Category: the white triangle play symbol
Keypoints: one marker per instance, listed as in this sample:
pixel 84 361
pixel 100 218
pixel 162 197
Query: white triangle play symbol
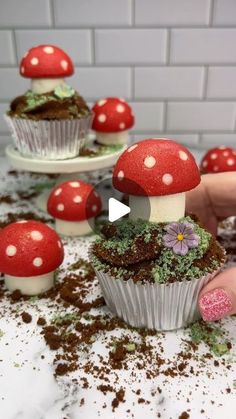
pixel 116 210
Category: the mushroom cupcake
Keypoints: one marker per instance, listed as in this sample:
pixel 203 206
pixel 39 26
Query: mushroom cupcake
pixel 30 252
pixel 152 265
pixel 113 117
pixel 74 205
pixel 51 119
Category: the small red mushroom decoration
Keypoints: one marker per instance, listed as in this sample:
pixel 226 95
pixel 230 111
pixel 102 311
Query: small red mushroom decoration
pixel 30 252
pixel 156 173
pixel 46 66
pixel 74 205
pixel 219 159
pixel 113 118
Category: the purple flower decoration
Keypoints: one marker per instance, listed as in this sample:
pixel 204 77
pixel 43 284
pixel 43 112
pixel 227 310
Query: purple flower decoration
pixel 180 237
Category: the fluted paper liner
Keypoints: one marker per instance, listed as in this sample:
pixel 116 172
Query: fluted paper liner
pixel 153 305
pixel 49 140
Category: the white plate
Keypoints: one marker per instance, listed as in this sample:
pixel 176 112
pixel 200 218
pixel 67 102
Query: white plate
pixel 78 164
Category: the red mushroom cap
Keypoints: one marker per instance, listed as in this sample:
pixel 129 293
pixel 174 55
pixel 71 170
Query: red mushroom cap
pixel 219 159
pixel 74 201
pixel 112 115
pixel 29 248
pixel 156 167
pixel 46 61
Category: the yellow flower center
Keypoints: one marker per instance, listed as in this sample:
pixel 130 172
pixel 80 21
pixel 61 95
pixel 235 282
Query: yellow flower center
pixel 180 237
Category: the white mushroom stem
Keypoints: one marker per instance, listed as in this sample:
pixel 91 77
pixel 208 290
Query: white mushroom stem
pixel 158 209
pixel 74 228
pixel 31 285
pixel 40 86
pixel 112 138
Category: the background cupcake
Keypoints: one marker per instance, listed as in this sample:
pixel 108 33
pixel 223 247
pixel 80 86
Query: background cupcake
pixel 51 119
pixel 152 266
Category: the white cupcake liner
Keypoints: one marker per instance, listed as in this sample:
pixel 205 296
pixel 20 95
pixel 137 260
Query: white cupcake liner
pixel 154 306
pixel 49 140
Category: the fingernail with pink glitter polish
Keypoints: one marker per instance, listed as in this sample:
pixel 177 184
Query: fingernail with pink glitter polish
pixel 215 304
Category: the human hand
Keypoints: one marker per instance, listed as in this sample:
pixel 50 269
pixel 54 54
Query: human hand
pixel 212 201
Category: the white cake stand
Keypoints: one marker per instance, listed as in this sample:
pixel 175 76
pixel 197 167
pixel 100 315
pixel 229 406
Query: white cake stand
pixel 70 169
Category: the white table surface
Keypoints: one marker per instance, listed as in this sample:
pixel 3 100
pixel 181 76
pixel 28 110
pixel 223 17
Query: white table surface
pixel 28 389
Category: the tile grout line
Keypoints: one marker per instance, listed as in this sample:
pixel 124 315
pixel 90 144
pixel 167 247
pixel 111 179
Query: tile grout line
pixel 14 42
pixel 164 116
pixel 211 13
pixel 93 47
pixel 168 47
pixel 52 13
pixel 205 83
pixel 132 13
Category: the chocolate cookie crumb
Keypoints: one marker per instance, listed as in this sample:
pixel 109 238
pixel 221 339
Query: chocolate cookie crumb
pixel 26 317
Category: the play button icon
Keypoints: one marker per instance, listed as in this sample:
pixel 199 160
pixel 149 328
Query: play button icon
pixel 116 210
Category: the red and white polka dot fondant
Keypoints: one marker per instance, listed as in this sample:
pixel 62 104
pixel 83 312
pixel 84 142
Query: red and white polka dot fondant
pixel 74 201
pixel 111 115
pixel 46 61
pixel 29 248
pixel 156 167
pixel 219 159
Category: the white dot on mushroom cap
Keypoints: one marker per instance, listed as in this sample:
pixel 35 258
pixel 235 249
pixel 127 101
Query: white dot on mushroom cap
pixel 102 102
pixel 133 147
pixel 94 208
pixel 102 117
pixel 222 147
pixel 230 162
pixel 120 108
pixel 36 235
pixel 121 99
pixel 49 50
pixel 74 184
pixel 34 61
pixel 57 192
pixel 215 168
pixel 122 125
pixel 22 222
pixel 60 207
pixel 149 162
pixel 37 262
pixel 121 175
pixel 183 155
pixel 95 194
pixel 226 153
pixel 22 69
pixel 64 64
pixel 213 156
pixel 77 199
pixel 167 179
pixel 11 250
pixel 204 163
pixel 59 244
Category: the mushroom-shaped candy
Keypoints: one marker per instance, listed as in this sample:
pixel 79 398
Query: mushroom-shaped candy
pixel 30 251
pixel 46 66
pixel 113 118
pixel 74 205
pixel 156 173
pixel 219 159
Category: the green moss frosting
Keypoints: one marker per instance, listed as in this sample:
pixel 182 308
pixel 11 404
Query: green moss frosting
pixel 167 265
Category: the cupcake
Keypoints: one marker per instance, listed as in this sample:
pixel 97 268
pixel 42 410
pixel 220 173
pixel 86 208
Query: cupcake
pixel 113 118
pixel 152 265
pixel 51 119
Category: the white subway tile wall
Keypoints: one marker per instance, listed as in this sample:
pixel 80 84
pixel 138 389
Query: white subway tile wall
pixel 174 61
